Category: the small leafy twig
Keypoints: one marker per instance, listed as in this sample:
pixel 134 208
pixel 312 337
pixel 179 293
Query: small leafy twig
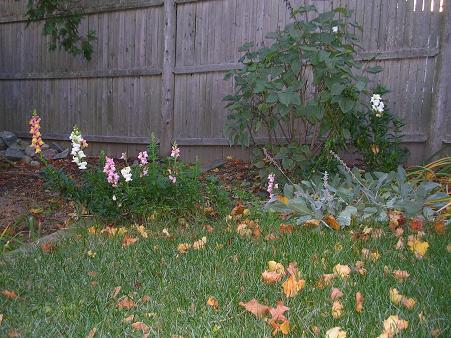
pixel 276 164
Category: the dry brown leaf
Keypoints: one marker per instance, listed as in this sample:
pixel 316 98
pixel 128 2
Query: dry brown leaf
pixel 253 306
pixel 377 233
pixel 277 313
pixel 400 275
pixel 208 227
pixel 335 293
pixel 440 227
pixel 183 247
pixel 332 222
pixel 9 294
pixel 145 299
pixel 129 319
pixel 116 291
pixel 213 302
pixel 286 228
pixel 12 333
pixel 200 244
pixel 125 303
pixel 360 268
pixel 436 333
pixel 400 244
pixel 393 325
pixel 140 326
pixel 396 219
pixel 337 309
pixel 312 223
pixel 282 199
pixel 335 332
pixel 92 332
pixel 292 286
pixel 271 277
pixel 417 224
pixel 325 280
pixel 237 210
pixel 128 240
pixel 141 229
pixel 359 302
pixel 271 237
pixel 92 273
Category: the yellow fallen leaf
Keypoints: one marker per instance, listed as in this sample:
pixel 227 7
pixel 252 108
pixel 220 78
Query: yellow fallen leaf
pixel 276 267
pixel 417 246
pixel 91 253
pixel 129 319
pixel 213 302
pixel 395 296
pixel 336 332
pixel 337 309
pixel 92 230
pixel 400 275
pixel 312 223
pixel 183 247
pixel 342 270
pixel 282 199
pixel 142 231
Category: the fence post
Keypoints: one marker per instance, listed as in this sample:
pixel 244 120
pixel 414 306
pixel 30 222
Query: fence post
pixel 440 107
pixel 168 80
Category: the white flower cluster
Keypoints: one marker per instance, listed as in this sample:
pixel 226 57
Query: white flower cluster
pixel 127 173
pixel 377 104
pixel 78 144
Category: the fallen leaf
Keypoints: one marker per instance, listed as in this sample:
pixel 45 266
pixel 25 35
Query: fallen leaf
pixel 342 270
pixel 1 318
pixel 282 199
pixel 47 247
pixel 286 228
pixel 273 266
pixel 237 210
pixel 395 296
pixel 183 247
pixel 125 303
pixel 116 291
pixel 332 222
pixel 92 332
pixel 377 233
pixel 408 303
pixel 145 299
pixel 129 319
pixel 396 218
pixel 209 228
pixel 128 240
pixel 315 330
pixel 400 244
pixel 277 313
pixel 166 232
pixel 92 230
pixel 271 277
pixel 417 246
pixel 213 302
pixel 36 211
pixel 393 325
pixel 440 227
pixel 312 223
pixel 436 332
pixel 271 237
pixel 335 293
pixel 140 326
pixel 360 268
pixel 399 232
pixel 91 253
pixel 359 302
pixel 400 275
pixel 9 294
pixel 335 332
pixel 141 229
pixel 12 333
pixel 92 273
pixel 337 309
pixel 253 306
pixel 416 224
pixel 292 286
pixel 200 244
pixel 280 326
pixel 325 280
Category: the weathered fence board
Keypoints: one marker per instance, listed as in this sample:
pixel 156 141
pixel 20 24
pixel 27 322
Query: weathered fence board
pixel 118 98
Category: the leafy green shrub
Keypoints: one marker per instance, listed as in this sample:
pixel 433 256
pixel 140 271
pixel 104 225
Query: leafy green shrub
pixel 302 96
pixel 152 185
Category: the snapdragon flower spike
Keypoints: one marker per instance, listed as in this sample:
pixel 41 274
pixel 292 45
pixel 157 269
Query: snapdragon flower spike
pixel 377 104
pixel 271 185
pixel 175 152
pixel 142 157
pixel 78 144
pixel 35 126
pixel 171 177
pixel 127 174
pixel 110 170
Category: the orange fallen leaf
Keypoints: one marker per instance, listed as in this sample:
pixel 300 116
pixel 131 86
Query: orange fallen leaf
pixel 128 240
pixel 440 227
pixel 408 303
pixel 237 210
pixel 342 270
pixel 92 230
pixel 400 275
pixel 125 303
pixel 92 332
pixel 286 228
pixel 416 224
pixel 359 302
pixel 213 302
pixel 183 247
pixel 47 247
pixel 282 199
pixel 292 286
pixel 271 277
pixel 332 222
pixel 337 309
pixel 396 219
pixel 140 326
pixel 271 237
pixel 280 326
pixel 253 306
pixel 9 294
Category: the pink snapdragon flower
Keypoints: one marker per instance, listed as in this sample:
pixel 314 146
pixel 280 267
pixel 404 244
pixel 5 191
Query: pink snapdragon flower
pixel 175 153
pixel 35 125
pixel 142 157
pixel 171 177
pixel 271 185
pixel 110 171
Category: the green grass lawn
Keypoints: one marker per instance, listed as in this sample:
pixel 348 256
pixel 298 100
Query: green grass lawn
pixel 67 293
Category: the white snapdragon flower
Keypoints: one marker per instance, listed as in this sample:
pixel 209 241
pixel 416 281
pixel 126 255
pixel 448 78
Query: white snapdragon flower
pixel 127 174
pixel 335 29
pixel 377 104
pixel 78 144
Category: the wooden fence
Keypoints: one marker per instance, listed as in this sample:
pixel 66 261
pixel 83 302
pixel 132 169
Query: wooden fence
pixel 159 67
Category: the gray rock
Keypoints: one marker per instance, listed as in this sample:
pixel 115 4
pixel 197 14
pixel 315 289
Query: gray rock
pixel 49 153
pixel 56 147
pixel 14 154
pixel 30 151
pixel 61 155
pixel 8 137
pixel 23 143
pixel 3 145
pixel 17 146
pixel 27 159
pixel 35 164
